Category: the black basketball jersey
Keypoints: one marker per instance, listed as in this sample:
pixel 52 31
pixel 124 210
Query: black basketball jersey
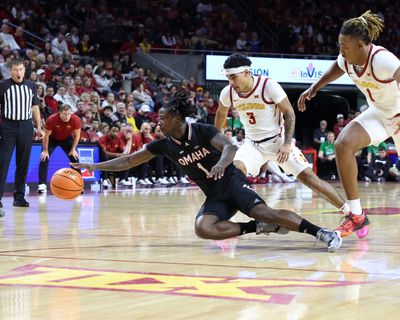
pixel 194 154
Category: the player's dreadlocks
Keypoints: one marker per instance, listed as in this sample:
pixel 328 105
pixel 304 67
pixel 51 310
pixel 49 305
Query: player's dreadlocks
pixel 367 27
pixel 237 60
pixel 181 106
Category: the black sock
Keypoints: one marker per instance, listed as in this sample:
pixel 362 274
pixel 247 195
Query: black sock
pixel 247 227
pixel 308 227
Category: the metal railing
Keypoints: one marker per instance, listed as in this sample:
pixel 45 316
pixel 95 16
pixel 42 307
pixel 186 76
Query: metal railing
pixel 158 64
pixel 29 34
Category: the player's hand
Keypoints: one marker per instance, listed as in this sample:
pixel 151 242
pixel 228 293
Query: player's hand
pixel 216 172
pixel 44 156
pixel 73 154
pixel 283 153
pixel 40 133
pixel 306 95
pixel 89 167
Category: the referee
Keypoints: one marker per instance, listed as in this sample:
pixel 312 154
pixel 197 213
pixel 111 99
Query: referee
pixel 18 104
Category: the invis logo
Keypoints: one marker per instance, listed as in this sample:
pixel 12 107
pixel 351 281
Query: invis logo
pixel 308 73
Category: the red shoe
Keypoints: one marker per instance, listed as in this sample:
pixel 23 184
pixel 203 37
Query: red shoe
pixel 261 180
pixel 353 223
pixel 251 180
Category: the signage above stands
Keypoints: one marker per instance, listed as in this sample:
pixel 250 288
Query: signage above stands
pixel 283 70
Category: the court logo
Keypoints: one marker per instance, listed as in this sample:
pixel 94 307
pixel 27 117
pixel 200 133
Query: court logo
pixel 248 289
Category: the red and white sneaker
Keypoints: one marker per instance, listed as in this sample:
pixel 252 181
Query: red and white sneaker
pixel 352 222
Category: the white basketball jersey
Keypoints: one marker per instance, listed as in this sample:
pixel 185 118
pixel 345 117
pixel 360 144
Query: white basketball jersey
pixel 257 109
pixel 376 81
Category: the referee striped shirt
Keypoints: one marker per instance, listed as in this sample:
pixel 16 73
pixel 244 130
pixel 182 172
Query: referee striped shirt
pixel 17 99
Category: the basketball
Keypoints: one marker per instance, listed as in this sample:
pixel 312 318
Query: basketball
pixel 66 183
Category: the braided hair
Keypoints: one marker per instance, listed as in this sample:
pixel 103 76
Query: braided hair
pixel 180 105
pixel 366 27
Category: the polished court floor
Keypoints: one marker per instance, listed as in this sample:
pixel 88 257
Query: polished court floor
pixel 134 255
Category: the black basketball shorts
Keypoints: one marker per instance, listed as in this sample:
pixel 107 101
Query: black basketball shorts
pixel 237 194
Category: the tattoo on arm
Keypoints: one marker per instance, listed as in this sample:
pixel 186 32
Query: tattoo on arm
pixel 290 121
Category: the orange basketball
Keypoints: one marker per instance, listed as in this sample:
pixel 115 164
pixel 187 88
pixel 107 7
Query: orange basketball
pixel 66 183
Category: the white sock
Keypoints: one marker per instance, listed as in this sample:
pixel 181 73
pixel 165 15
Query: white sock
pixel 345 208
pixel 262 175
pixel 355 207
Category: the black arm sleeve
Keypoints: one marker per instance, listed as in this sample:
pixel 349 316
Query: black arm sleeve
pixel 157 147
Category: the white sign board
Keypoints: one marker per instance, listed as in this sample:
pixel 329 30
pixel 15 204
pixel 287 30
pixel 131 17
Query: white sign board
pixel 284 70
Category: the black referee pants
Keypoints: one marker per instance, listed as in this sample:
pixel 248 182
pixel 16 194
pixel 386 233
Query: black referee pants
pixel 66 145
pixel 15 134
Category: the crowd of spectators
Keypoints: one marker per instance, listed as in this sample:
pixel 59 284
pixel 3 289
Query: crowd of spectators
pixel 312 26
pixel 106 27
pixel 113 96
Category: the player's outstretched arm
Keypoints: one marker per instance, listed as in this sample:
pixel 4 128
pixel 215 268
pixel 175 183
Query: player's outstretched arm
pixel 220 116
pixel 228 150
pixel 333 73
pixel 118 164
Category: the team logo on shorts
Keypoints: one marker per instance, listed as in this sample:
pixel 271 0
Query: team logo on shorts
pixel 247 186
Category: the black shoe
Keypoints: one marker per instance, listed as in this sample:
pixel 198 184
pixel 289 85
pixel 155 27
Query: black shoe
pixel 21 203
pixel 1 205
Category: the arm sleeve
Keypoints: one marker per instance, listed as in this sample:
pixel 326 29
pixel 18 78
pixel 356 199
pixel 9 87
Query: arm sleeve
pixel 225 97
pixel 208 131
pixel 156 147
pixel 385 64
pixel 77 123
pixel 274 92
pixel 49 125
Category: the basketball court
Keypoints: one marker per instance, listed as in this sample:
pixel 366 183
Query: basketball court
pixel 133 254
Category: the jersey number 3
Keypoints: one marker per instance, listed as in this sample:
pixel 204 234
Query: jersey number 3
pixel 252 118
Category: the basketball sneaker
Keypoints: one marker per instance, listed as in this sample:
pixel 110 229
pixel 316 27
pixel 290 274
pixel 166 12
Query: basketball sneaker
pixel 42 188
pixel 331 238
pixel 267 228
pixel 352 222
pixel 183 180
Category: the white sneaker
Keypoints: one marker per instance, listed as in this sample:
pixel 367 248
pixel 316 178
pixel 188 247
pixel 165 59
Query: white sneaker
pixel 126 183
pixel 285 178
pixel 42 188
pixel 171 180
pixel 141 182
pixel 163 181
pixel 148 182
pixel 183 180
pixel 106 183
pixel 275 178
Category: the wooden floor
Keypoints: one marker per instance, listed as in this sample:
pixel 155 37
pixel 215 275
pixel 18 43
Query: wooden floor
pixel 134 255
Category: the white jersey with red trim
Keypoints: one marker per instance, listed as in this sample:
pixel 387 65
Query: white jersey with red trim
pixel 375 80
pixel 257 109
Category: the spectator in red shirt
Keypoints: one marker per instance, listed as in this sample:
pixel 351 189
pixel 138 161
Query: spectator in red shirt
pixel 78 85
pixel 49 100
pixel 112 147
pixel 111 144
pixel 339 125
pixel 61 129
